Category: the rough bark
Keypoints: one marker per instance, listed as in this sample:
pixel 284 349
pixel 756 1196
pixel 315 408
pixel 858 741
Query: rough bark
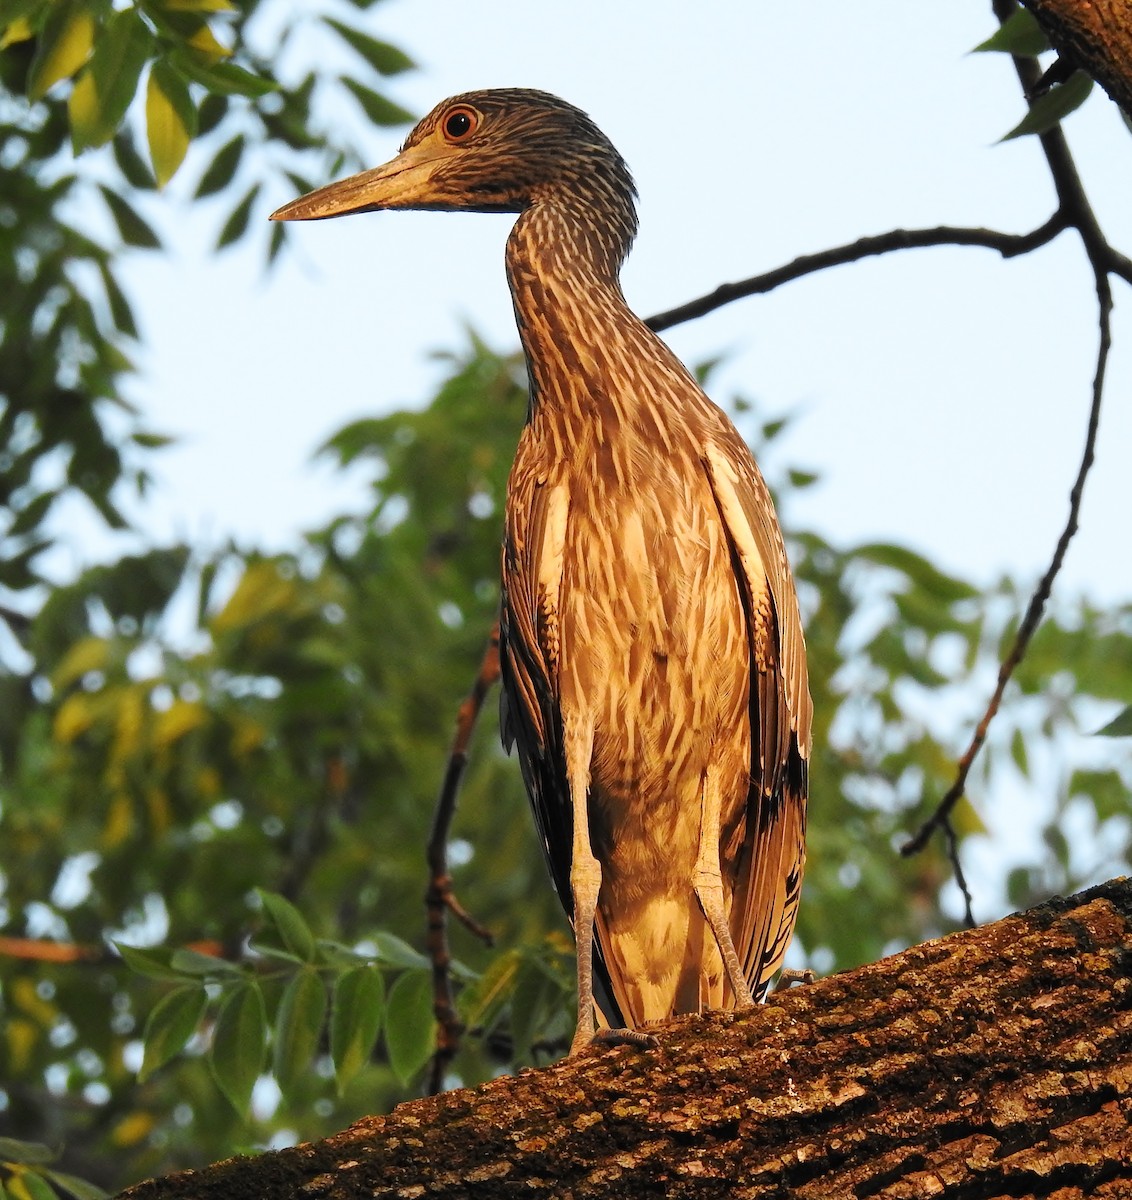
pixel 1095 35
pixel 991 1063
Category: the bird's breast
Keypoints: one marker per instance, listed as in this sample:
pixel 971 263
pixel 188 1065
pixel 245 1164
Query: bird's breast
pixel 653 640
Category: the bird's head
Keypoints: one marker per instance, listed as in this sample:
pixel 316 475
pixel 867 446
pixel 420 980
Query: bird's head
pixel 500 150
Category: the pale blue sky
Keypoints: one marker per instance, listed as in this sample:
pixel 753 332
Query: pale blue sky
pixel 941 393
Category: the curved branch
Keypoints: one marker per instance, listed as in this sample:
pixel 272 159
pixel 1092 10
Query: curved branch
pixel 440 899
pixel 1009 245
pixel 941 817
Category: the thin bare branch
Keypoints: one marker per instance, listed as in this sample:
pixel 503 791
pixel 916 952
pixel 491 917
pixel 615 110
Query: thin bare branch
pixel 941 817
pixel 1009 245
pixel 957 868
pixel 440 900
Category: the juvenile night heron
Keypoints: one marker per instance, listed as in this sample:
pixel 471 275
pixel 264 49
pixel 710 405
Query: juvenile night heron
pixel 654 669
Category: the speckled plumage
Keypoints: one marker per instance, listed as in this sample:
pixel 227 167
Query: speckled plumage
pixel 654 669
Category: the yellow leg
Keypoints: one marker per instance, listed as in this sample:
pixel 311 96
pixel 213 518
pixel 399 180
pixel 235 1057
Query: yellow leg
pixel 707 880
pixel 585 874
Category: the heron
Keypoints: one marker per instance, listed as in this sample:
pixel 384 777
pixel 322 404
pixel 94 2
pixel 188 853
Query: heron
pixel 653 661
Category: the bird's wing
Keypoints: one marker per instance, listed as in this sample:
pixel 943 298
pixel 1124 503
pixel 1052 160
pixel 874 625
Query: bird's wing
pixel 767 852
pixel 530 713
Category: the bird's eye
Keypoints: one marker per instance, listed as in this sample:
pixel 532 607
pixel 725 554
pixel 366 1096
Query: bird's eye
pixel 459 124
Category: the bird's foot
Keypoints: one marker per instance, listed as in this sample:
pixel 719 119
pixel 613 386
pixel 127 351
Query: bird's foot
pixel 791 976
pixel 620 1037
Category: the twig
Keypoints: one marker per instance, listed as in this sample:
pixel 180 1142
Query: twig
pixel 957 867
pixel 440 900
pixel 941 816
pixel 1009 245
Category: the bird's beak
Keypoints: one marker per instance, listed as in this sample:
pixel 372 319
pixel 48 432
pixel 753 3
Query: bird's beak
pixel 403 182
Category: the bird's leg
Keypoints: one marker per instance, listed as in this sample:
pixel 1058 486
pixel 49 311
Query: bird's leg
pixel 707 880
pixel 585 873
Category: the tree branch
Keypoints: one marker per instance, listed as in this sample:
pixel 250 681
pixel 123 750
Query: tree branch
pixel 1009 245
pixel 440 899
pixel 995 1062
pixel 941 817
pixel 1096 36
pixel 1077 213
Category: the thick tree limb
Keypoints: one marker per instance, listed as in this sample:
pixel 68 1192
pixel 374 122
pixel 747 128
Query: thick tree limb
pixel 996 1062
pixel 1095 35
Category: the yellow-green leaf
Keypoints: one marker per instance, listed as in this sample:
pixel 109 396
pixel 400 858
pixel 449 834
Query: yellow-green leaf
pixel 19 30
pixel 170 120
pixel 86 655
pixel 198 5
pixel 203 42
pixel 181 717
pixel 108 83
pixel 64 45
pixel 75 716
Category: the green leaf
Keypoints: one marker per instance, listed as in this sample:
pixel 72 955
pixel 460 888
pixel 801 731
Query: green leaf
pixel 1105 790
pixel 289 924
pixel 152 441
pixel 1119 726
pixel 527 1005
pixel 355 1021
pixel 398 953
pixel 170 120
pixel 63 45
pixel 223 77
pixel 192 962
pixel 298 1025
pixel 37 1187
pixel 81 1189
pixel 152 963
pixel 410 1030
pixel 1050 109
pixel 172 1022
pixel 109 82
pixel 134 230
pixel 133 167
pixel 236 1055
pixel 222 169
pixel 237 223
pixel 384 58
pixel 32 515
pixel 481 1003
pixel 120 311
pixel 380 110
pixel 278 236
pixel 18 1151
pixel 944 588
pixel 1020 35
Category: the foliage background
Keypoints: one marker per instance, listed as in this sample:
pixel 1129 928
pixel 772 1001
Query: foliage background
pixel 184 723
